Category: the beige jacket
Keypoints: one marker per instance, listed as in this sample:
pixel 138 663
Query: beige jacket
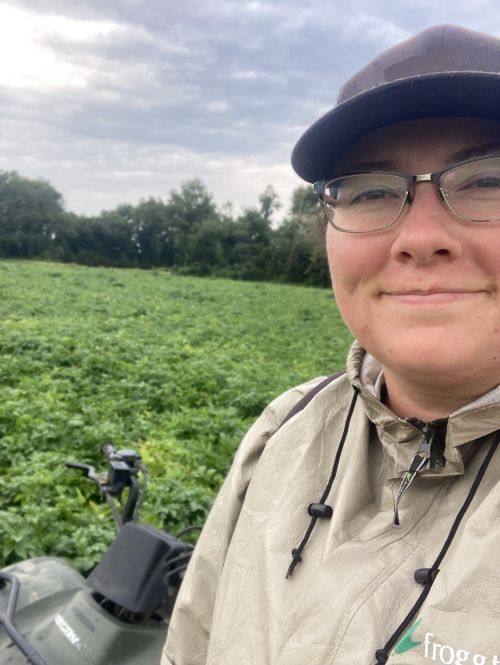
pixel 355 583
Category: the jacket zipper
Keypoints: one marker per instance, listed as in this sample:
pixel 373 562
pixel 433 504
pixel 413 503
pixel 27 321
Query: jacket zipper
pixel 421 459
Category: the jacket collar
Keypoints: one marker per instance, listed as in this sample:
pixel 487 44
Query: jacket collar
pixel 469 423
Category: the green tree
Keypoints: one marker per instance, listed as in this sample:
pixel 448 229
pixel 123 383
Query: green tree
pixel 211 247
pixel 269 202
pixel 152 233
pixel 298 243
pixel 250 253
pixel 30 215
pixel 188 208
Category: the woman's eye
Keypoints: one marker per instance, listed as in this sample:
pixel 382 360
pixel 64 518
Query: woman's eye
pixel 489 182
pixel 372 195
pixel 482 182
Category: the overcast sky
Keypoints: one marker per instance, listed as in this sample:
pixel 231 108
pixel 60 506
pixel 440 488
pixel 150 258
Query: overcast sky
pixel 117 100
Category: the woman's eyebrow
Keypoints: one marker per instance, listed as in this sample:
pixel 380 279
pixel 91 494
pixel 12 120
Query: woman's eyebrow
pixel 378 165
pixel 475 151
pixel 459 156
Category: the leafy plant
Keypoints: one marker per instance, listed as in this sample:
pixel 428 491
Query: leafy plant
pixel 177 367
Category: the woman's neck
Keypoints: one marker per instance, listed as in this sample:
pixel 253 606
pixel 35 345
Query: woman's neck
pixel 428 401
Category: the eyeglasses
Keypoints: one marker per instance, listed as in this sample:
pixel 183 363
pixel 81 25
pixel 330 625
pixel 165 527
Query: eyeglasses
pixel 364 202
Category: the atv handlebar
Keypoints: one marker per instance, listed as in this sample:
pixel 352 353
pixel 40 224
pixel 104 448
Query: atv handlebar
pixel 7 620
pixel 87 469
pixel 124 468
pixel 108 450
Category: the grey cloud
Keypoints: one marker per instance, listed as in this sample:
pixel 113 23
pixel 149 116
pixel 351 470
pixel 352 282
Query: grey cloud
pixel 199 82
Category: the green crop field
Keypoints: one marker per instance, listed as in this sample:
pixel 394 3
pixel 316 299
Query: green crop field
pixel 176 367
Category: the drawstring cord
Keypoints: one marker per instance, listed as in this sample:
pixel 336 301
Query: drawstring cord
pixel 426 576
pixel 320 509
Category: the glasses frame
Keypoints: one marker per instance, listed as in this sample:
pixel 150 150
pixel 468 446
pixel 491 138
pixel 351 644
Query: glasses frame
pixel 411 181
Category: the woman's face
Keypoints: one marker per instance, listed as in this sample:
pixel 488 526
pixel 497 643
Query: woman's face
pixel 423 296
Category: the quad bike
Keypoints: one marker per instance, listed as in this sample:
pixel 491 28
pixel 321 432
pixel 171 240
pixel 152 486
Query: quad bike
pixel 51 615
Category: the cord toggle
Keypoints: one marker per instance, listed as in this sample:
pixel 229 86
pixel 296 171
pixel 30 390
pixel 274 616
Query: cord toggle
pixel 320 510
pixel 425 576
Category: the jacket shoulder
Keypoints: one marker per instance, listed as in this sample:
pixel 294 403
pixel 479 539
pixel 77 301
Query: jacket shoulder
pixel 276 413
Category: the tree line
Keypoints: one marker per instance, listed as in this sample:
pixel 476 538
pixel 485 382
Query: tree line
pixel 187 233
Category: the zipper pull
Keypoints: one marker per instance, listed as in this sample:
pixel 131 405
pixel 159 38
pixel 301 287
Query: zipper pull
pixel 422 457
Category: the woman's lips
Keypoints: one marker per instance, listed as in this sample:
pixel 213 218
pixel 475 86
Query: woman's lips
pixel 434 297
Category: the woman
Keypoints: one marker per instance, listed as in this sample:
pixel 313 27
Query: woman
pixel 363 526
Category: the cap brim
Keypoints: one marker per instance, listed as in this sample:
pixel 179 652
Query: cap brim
pixel 465 94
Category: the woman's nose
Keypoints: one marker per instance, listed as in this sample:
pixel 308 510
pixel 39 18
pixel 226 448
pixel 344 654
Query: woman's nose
pixel 427 229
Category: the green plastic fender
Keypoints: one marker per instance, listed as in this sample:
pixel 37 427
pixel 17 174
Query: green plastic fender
pixel 57 614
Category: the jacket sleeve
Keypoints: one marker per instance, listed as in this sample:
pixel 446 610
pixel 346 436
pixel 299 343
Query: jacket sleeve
pixel 189 630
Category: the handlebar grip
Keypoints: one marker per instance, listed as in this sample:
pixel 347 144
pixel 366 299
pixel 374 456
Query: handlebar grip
pixel 76 465
pixel 108 449
pixel 87 469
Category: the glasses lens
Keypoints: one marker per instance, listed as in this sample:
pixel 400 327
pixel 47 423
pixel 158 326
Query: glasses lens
pixel 473 190
pixel 364 202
